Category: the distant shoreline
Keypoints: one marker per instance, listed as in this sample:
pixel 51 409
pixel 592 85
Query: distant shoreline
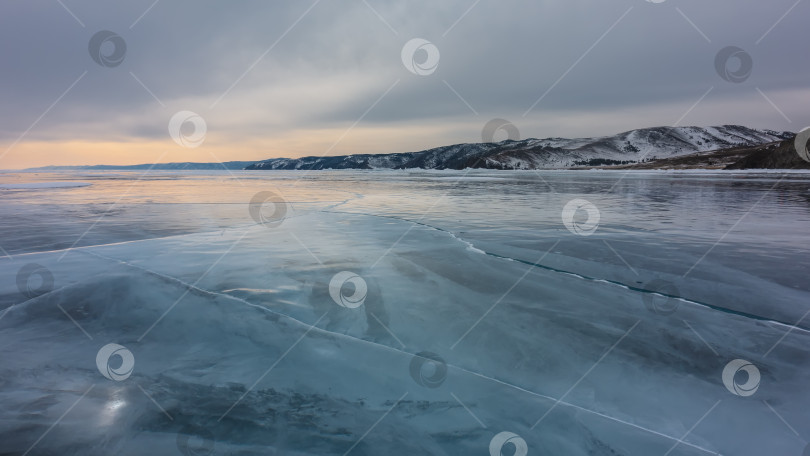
pixel 728 147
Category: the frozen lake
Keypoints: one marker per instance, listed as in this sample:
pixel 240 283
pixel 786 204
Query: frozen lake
pixel 404 313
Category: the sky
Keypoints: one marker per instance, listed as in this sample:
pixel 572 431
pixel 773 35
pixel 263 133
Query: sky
pixel 156 81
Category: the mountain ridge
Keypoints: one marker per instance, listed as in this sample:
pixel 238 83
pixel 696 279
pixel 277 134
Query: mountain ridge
pixel 631 146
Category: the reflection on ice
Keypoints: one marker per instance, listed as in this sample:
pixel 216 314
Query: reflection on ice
pixel 115 405
pixel 361 323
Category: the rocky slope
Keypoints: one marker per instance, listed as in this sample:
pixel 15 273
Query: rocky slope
pixel 774 155
pixel 780 155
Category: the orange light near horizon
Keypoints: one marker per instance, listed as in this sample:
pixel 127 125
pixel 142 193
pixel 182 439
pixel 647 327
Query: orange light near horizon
pixel 295 144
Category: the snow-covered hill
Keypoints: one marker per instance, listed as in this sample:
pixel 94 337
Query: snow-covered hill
pixel 628 147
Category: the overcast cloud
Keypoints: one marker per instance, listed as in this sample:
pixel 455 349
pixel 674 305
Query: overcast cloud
pixel 283 78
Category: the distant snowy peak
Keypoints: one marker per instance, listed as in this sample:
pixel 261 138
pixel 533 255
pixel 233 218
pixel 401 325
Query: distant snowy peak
pixel 628 147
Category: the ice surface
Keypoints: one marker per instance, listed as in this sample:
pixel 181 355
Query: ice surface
pixel 238 344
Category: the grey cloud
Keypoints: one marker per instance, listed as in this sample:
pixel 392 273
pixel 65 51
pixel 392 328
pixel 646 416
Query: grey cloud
pixel 500 57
